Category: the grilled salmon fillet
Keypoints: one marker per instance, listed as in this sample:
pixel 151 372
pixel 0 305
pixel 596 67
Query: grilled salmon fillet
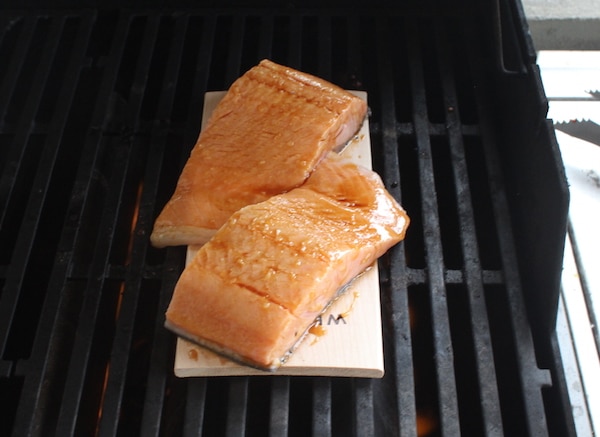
pixel 265 137
pixel 255 288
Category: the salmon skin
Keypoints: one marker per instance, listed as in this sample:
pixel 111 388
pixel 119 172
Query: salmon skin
pixel 265 137
pixel 255 288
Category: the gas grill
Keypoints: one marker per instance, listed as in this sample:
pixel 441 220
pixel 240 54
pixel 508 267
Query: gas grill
pixel 99 109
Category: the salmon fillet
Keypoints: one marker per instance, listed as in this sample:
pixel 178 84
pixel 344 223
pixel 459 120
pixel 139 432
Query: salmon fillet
pixel 255 288
pixel 264 138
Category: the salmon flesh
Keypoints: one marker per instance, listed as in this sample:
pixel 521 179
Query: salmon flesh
pixel 258 285
pixel 265 137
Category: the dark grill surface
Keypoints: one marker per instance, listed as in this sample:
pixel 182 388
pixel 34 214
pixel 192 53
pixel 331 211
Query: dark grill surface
pixel 99 109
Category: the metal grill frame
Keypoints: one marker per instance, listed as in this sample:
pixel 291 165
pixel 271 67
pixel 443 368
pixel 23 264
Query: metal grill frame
pixel 99 360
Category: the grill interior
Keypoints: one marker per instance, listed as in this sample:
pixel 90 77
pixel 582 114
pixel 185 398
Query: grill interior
pixel 99 109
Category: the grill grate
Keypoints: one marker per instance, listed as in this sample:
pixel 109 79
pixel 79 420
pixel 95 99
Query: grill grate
pixel 98 111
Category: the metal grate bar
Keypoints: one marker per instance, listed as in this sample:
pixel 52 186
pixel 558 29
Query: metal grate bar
pixel 447 397
pixel 120 353
pixel 154 396
pixel 325 43
pixel 353 53
pixel 198 88
pixel 194 407
pixel 532 379
pixel 265 45
pixel 196 398
pixel 488 391
pixel 321 407
pixel 36 367
pixel 397 289
pixel 237 407
pixel 196 395
pixel 235 49
pixel 19 261
pixel 364 418
pixel 24 124
pixel 6 24
pixel 14 67
pixel 161 357
pixel 452 276
pixel 77 368
pixel 295 43
pixel 279 417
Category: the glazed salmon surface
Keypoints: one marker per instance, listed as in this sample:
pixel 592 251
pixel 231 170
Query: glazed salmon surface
pixel 264 138
pixel 254 289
